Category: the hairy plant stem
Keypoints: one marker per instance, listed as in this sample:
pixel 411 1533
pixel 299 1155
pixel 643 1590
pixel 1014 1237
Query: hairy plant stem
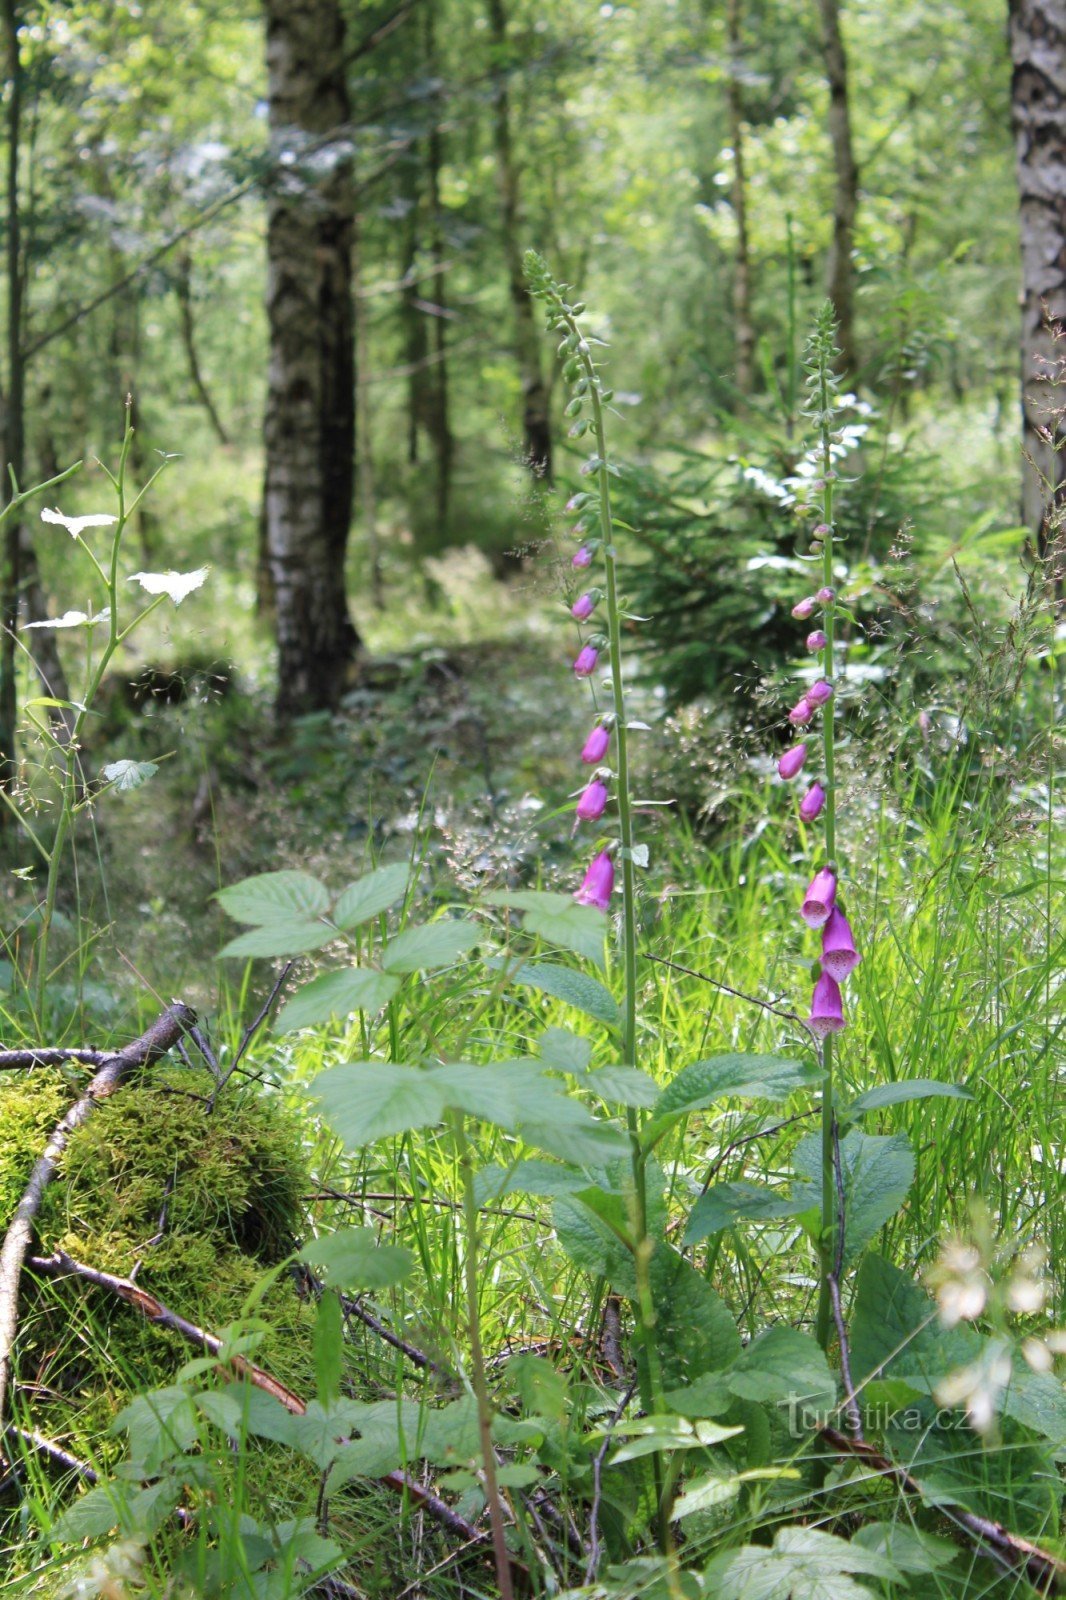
pixel 477 1359
pixel 827 1251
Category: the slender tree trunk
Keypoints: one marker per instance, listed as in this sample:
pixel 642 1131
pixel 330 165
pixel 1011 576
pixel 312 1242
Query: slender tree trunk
pixel 438 416
pixel 14 403
pixel 310 413
pixel 1038 102
pixel 368 492
pixel 536 420
pixel 743 330
pixel 841 268
pixel 183 290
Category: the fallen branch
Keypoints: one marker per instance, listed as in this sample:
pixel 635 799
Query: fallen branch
pixel 52 1056
pixel 154 1311
pixel 160 1037
pixel 1046 1571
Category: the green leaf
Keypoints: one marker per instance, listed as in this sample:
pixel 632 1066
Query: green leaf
pixel 430 946
pixel 222 1410
pixel 694 1328
pixel 564 1051
pixel 727 1203
pixel 804 1564
pixel 559 919
pixel 126 775
pixel 587 1143
pixel 159 1424
pixel 527 1177
pixel 352 1259
pixel 592 1245
pixel 388 1431
pixel 909 1548
pixel 91 1515
pixel 281 939
pixel 503 1093
pixel 623 1086
pixel 328 1347
pixel 750 1077
pixel 368 1100
pixel 894 1094
pixel 320 1433
pixel 333 996
pixel 782 1365
pixel 878 1171
pixel 369 896
pixel 263 1415
pixel 575 989
pixel 274 897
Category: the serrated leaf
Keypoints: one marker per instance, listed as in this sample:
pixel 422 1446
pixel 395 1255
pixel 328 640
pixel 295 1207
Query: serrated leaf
pixel 274 897
pixel 725 1204
pixel 367 1100
pixel 784 1365
pixel 592 1245
pixel 575 989
pixel 91 1515
pixel 894 1094
pixel 333 996
pixel 622 1086
pixel 126 775
pixel 694 1328
pixel 369 896
pixel 280 939
pixel 751 1077
pixel 502 1093
pixel 388 1430
pixel 352 1259
pixel 804 1564
pixel 586 1144
pixel 878 1171
pixel 526 1177
pixel 564 1051
pixel 560 920
pixel 222 1410
pixel 433 945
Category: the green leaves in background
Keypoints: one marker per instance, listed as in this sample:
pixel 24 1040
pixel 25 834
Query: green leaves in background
pixel 804 1564
pixel 333 996
pixel 727 1203
pixel 430 946
pixel 575 989
pixel 271 898
pixel 894 1094
pixel 878 1171
pixel 558 919
pixel 352 1259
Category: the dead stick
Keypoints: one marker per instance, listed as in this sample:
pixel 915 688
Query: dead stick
pixel 59 1265
pixel 53 1056
pixel 164 1032
pixel 1046 1571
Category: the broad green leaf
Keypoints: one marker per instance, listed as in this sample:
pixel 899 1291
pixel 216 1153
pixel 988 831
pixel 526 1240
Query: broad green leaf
pixel 718 1489
pixel 369 896
pixel 804 1564
pixel 126 775
pixel 388 1434
pixel 750 1077
pixel 503 1093
pixel 592 1245
pixel 433 945
pixel 564 1051
pixel 585 1144
pixel 91 1515
pixel 274 897
pixel 352 1259
pixel 527 1177
pixel 320 1433
pixel 263 1415
pixel 894 1094
pixel 368 1100
pixel 649 1435
pixel 327 1345
pixel 333 996
pixel 909 1548
pixel 727 1203
pixel 623 1086
pixel 291 938
pixel 878 1171
pixel 694 1328
pixel 560 920
pixel 222 1410
pixel 783 1365
pixel 575 989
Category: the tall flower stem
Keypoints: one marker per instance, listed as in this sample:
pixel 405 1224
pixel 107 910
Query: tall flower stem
pixel 829 1195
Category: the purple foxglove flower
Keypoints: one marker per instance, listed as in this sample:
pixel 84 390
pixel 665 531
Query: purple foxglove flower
pixel 820 898
pixel 839 955
pixel 821 530
pixel 575 502
pixel 816 641
pixel 582 557
pixel 812 802
pixel 592 801
pixel 803 608
pixel 827 1008
pixel 801 713
pixel 595 746
pixel 598 883
pixel 826 596
pixel 585 665
pixel 582 608
pixel 819 692
pixel 792 760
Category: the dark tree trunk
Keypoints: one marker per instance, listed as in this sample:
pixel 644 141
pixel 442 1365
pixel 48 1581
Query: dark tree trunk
pixel 14 405
pixel 310 414
pixel 438 419
pixel 1038 102
pixel 743 330
pixel 536 419
pixel 841 268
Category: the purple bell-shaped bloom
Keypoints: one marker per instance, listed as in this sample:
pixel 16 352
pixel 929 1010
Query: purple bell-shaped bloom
pixel 826 596
pixel 801 713
pixel 592 801
pixel 792 761
pixel 827 1007
pixel 595 746
pixel 598 883
pixel 816 641
pixel 803 608
pixel 582 608
pixel 812 802
pixel 839 955
pixel 820 898
pixel 581 557
pixel 585 665
pixel 819 692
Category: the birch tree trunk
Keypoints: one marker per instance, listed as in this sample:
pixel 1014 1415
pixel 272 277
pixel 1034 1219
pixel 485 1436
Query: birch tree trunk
pixel 840 272
pixel 310 412
pixel 1038 104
